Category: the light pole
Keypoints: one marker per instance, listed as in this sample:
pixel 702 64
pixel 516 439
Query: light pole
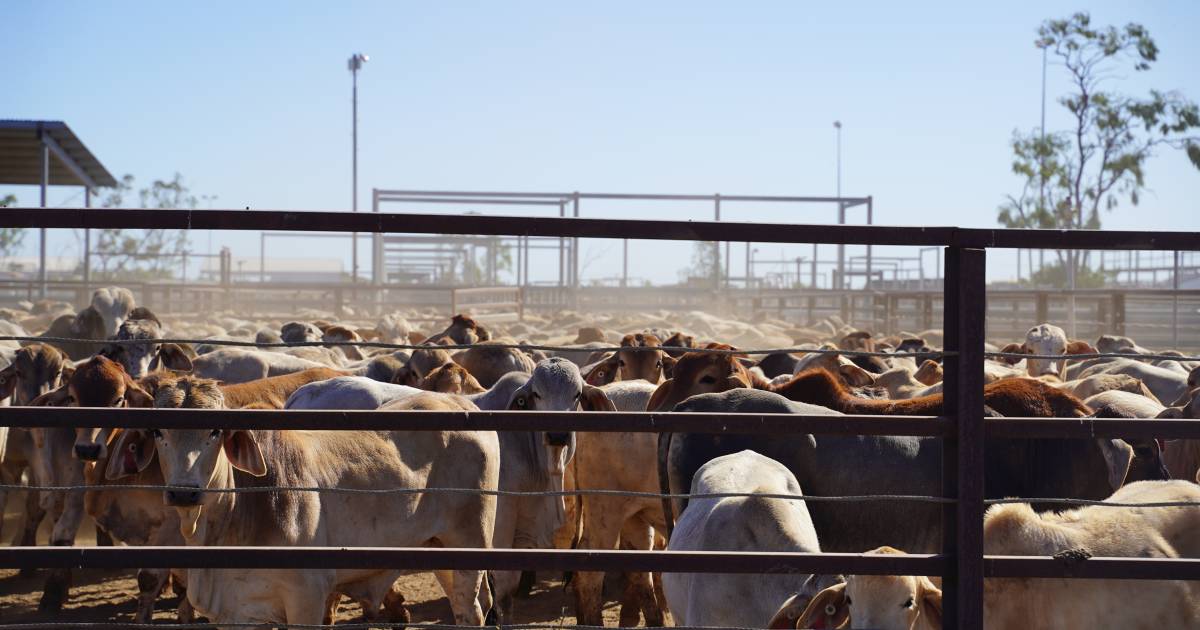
pixel 841 249
pixel 355 64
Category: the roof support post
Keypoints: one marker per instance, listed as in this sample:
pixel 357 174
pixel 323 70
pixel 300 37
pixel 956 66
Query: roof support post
pixel 42 231
pixel 87 245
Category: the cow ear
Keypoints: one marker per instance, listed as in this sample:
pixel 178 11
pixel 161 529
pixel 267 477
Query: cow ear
pixel 129 454
pixel 1171 413
pixel 829 606
pixel 135 396
pixel 244 454
pixel 53 398
pixel 660 395
pixel 856 376
pixel 594 399
pixel 668 365
pixel 1118 454
pixel 172 357
pixel 8 381
pixel 931 603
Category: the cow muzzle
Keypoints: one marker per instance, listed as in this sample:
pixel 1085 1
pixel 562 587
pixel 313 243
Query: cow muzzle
pixel 558 439
pixel 87 452
pixel 183 497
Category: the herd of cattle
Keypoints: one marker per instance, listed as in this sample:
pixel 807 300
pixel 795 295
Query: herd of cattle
pixel 658 368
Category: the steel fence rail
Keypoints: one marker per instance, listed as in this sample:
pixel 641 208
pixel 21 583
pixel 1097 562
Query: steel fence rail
pixel 430 559
pixel 591 421
pixel 413 223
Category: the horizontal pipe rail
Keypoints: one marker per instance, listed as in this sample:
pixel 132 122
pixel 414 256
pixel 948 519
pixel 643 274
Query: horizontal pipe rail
pixel 600 421
pixel 292 221
pixel 405 195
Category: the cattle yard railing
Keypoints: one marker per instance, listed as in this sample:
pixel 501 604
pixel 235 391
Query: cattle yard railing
pixel 962 429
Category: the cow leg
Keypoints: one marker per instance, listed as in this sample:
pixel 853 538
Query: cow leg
pixel 184 612
pixel 525 586
pixel 102 538
pixel 303 608
pixel 150 584
pixel 601 530
pixel 27 536
pixel 394 609
pixel 331 605
pixel 639 596
pixel 58 583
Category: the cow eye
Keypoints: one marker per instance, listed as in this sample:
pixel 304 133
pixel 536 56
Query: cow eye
pixel 215 433
pixel 621 363
pixel 119 401
pixel 658 365
pixel 156 434
pixel 908 603
pixel 521 402
pixel 708 379
pixel 848 602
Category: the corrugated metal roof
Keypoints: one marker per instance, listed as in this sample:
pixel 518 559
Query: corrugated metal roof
pixel 20 155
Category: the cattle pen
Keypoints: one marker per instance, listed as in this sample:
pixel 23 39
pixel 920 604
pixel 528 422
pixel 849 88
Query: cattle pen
pixel 962 429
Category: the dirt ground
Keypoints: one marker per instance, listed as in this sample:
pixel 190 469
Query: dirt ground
pixel 111 595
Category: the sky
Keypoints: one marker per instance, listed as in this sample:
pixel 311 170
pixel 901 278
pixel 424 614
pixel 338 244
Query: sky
pixel 250 102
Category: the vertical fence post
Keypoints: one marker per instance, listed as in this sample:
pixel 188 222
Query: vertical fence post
pixel 962 452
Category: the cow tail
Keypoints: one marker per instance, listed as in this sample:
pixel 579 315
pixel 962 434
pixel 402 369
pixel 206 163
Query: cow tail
pixel 664 482
pixel 578 537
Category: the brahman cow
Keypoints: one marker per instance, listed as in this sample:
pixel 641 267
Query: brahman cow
pixel 219 459
pixel 740 524
pixel 901 602
pixel 849 465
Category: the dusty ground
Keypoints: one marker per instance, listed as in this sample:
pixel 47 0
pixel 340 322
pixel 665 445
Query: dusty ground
pixel 111 595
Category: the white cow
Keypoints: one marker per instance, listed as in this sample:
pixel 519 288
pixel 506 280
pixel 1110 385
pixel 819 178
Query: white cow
pixel 113 304
pixel 740 524
pixel 218 459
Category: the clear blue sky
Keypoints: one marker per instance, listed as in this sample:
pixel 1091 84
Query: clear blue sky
pixel 251 102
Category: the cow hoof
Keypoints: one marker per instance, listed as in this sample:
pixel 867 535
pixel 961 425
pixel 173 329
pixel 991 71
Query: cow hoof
pixel 492 618
pixel 53 597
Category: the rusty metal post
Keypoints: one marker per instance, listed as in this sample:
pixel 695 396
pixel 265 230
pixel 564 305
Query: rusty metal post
pixel 1118 313
pixel 963 452
pixel 1043 309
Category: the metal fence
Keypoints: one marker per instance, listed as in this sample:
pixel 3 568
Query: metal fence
pixel 962 427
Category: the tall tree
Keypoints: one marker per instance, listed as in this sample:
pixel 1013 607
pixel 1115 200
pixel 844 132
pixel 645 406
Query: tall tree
pixel 1070 175
pixel 10 238
pixel 146 253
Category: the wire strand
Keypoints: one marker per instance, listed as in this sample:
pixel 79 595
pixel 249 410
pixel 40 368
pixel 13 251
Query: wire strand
pixel 464 346
pixel 916 498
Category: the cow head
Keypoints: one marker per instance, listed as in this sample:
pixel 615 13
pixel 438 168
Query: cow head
pixel 1045 339
pixel 190 459
pixel 98 382
pixel 877 601
pixel 461 331
pixel 647 365
pixel 299 332
pixel 451 378
pixel 36 369
pixel 139 359
pixel 557 385
pixel 703 373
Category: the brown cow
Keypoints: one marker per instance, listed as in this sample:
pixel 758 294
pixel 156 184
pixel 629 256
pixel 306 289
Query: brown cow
pixel 451 378
pixel 462 330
